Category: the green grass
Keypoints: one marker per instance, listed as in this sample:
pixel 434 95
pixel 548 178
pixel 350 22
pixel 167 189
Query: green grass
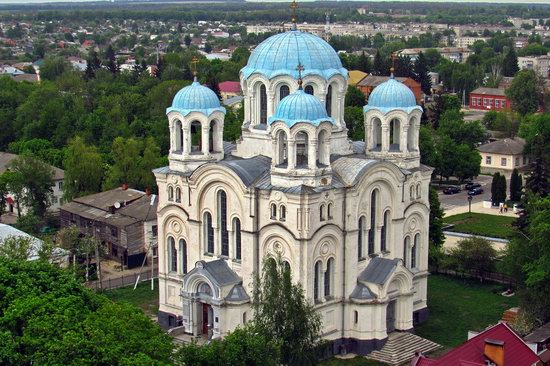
pixel 457 306
pixel 142 297
pixel 482 224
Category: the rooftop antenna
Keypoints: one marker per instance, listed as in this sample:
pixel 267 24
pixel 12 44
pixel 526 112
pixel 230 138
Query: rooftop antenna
pixel 194 62
pixel 294 6
pixel 300 68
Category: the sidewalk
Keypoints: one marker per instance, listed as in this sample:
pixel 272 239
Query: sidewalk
pixel 478 208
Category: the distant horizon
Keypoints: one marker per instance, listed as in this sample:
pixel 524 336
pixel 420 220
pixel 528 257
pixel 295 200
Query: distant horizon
pixel 38 2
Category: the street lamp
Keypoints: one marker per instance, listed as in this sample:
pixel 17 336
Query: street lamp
pixel 470 203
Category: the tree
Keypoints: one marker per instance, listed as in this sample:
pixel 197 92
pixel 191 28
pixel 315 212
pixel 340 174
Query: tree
pixel 436 236
pixel 53 67
pixel 420 74
pixel 498 190
pixel 354 97
pixel 515 186
pixel 283 314
pixel 538 179
pixel 403 67
pixel 17 247
pixel 524 92
pixel 363 63
pixel 187 40
pixel 510 63
pixel 83 170
pixel 111 61
pixel 474 254
pixel 379 66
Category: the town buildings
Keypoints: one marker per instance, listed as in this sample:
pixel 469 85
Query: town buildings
pixel 503 156
pixel 539 64
pixel 369 83
pixel 349 219
pixel 489 99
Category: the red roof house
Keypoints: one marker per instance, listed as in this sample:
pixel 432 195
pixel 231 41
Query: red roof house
pixel 500 345
pixel 489 99
pixel 230 89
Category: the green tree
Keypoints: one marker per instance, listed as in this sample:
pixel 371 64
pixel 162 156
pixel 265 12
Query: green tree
pixel 355 123
pixel 187 40
pixel 110 60
pixel 538 179
pixel 354 97
pixel 510 63
pixel 283 314
pixel 126 154
pixel 498 195
pixel 420 74
pixel 515 186
pixel 524 92
pixel 475 255
pixel 53 67
pixel 379 65
pixel 363 63
pixel 17 247
pixel 83 170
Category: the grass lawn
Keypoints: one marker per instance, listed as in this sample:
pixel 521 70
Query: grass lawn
pixel 481 224
pixel 142 297
pixel 457 306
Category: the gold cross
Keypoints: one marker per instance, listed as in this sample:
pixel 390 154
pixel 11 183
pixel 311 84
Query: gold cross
pixel 194 62
pixel 293 6
pixel 300 68
pixel 394 57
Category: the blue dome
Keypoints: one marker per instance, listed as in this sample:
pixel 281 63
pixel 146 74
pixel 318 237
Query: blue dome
pixel 281 54
pixel 300 107
pixel 390 95
pixel 195 98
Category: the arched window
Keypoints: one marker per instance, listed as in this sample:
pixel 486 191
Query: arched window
pixel 237 233
pixel 209 233
pixel 282 148
pixel 286 266
pixel 329 275
pixel 328 101
pixel 170 193
pixel 172 255
pixel 282 213
pixel 178 143
pixel 372 230
pixel 406 245
pixel 414 250
pixel 205 288
pixel 376 134
pixel 244 317
pixel 222 220
pixel 322 212
pixel 356 317
pixel 284 91
pixel 418 191
pixel 384 232
pixel 412 192
pixel 273 211
pixel 178 194
pixel 183 256
pixel 360 237
pixel 309 89
pixel 196 137
pixel 329 211
pixel 263 105
pixel 316 281
pixel 323 148
pixel 302 147
pixel 395 135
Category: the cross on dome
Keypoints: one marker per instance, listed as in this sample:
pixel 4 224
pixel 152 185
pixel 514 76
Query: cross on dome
pixel 194 62
pixel 294 6
pixel 300 68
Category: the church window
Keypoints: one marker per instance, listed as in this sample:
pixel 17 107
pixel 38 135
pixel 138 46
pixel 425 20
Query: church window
pixel 309 89
pixel 178 194
pixel 263 105
pixel 237 233
pixel 170 194
pixel 178 136
pixel 282 148
pixel 384 232
pixel 360 238
pixel 376 134
pixel 222 220
pixel 328 101
pixel 196 137
pixel 412 192
pixel 204 288
pixel 406 245
pixel 356 317
pixel 329 274
pixel 244 317
pixel 418 191
pixel 395 128
pixel 302 147
pixel 286 266
pixel 329 211
pixel 273 211
pixel 284 91
pixel 183 256
pixel 414 250
pixel 372 230
pixel 282 213
pixel 316 282
pixel 322 212
pixel 172 255
pixel 209 233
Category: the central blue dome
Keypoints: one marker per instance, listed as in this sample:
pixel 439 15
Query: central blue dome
pixel 390 95
pixel 281 53
pixel 300 107
pixel 195 98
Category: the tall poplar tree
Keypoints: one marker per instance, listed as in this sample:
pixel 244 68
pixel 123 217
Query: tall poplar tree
pixel 510 63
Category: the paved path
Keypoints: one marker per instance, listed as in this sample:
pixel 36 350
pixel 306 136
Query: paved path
pixel 478 207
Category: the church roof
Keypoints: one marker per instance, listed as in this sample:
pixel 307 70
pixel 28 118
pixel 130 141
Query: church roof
pixel 362 292
pixel 300 107
pixel 237 294
pixel 195 98
pixel 351 168
pixel 392 95
pixel 281 53
pixel 249 170
pixel 378 270
pixel 219 272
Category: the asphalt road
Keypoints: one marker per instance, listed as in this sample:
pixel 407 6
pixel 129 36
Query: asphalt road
pixel 449 201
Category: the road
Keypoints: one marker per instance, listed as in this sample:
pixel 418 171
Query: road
pixel 461 199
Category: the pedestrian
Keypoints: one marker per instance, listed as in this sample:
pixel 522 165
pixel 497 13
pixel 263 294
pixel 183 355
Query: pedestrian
pixel 505 207
pixel 500 207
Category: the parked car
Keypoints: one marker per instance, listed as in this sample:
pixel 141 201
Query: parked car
pixel 475 191
pixel 472 185
pixel 451 190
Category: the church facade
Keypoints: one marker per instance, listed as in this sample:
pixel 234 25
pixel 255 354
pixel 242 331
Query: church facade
pixel 350 219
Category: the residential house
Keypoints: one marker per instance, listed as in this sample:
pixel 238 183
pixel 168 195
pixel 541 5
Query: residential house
pixel 355 76
pixel 370 82
pixel 498 345
pixel 229 89
pixel 489 99
pixel 454 54
pixel 503 156
pixel 540 338
pixel 466 42
pixel 123 219
pixel 539 64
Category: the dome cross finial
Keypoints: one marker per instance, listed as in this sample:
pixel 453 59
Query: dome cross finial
pixel 394 57
pixel 294 6
pixel 194 62
pixel 300 68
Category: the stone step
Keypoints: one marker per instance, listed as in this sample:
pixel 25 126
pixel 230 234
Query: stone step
pixel 401 347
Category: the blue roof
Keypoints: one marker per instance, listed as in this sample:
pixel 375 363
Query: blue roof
pixel 392 95
pixel 300 107
pixel 195 98
pixel 281 54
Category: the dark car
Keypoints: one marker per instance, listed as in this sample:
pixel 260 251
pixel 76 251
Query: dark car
pixel 451 190
pixel 475 191
pixel 472 185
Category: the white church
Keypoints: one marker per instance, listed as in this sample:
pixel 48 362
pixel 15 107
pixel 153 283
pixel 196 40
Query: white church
pixel 350 218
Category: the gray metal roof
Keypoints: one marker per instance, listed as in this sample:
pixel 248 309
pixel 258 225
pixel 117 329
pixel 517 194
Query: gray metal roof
pixel 249 170
pixel 265 184
pixel 351 168
pixel 7 231
pixel 104 200
pixel 541 334
pixel 505 146
pixel 220 273
pixel 7 158
pixel 237 294
pixel 362 292
pixel 378 270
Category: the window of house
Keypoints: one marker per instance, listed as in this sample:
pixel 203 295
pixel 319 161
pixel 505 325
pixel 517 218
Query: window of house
pixel 517 161
pixel 114 231
pixel 503 162
pixel 488 160
pixel 60 185
pixel 155 230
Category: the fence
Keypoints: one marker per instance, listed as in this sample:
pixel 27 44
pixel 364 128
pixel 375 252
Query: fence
pixel 487 276
pixel 122 281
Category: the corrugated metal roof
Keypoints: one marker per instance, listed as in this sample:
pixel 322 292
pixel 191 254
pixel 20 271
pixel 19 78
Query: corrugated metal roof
pixel 249 170
pixel 237 294
pixel 505 146
pixel 362 292
pixel 221 273
pixel 378 270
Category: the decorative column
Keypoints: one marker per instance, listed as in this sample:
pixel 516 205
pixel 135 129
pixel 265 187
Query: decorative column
pixel 205 136
pixel 186 148
pixel 378 238
pixel 312 154
pixel 403 138
pixel 385 136
pixel 416 136
pixel 270 103
pixel 173 142
pixel 291 154
pixel 252 107
pixel 369 136
pixel 275 161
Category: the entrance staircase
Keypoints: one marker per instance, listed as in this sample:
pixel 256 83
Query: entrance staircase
pixel 400 348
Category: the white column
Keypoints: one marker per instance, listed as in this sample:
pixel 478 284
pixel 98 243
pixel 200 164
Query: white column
pixel 385 136
pixel 369 135
pixel 270 104
pixel 205 138
pixel 291 154
pixel 403 130
pixel 186 148
pixel 173 142
pixel 276 151
pixel 312 154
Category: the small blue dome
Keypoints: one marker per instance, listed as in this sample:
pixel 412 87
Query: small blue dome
pixel 195 98
pixel 391 95
pixel 281 53
pixel 300 107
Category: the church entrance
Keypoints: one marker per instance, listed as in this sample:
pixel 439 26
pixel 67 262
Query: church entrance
pixel 207 319
pixel 390 317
